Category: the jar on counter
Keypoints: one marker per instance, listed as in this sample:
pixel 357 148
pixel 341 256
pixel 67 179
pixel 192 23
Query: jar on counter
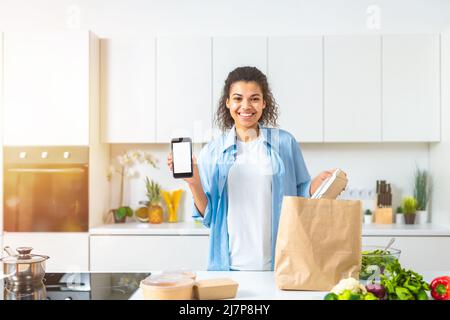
pixel 141 212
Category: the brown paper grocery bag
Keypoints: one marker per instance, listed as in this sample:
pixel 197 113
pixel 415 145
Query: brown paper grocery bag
pixel 318 243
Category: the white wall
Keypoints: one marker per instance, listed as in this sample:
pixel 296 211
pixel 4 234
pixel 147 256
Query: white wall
pixel 364 164
pixel 110 18
pixel 440 152
pixel 134 189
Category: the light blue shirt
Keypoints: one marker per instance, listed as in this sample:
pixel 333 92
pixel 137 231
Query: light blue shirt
pixel 290 178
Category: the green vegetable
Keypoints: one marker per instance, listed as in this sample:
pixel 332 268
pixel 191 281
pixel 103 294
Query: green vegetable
pixel 370 296
pixel 355 296
pixel 345 295
pixel 403 293
pixel 422 295
pixel 402 284
pixel 331 296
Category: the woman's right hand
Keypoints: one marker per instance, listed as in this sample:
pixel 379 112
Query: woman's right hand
pixel 195 179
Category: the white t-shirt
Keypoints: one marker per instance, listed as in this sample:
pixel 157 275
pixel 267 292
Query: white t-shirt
pixel 250 207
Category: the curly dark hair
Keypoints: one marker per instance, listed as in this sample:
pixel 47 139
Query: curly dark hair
pixel 270 113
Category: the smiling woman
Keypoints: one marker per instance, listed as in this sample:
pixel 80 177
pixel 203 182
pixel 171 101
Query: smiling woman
pixel 241 177
pixel 246 100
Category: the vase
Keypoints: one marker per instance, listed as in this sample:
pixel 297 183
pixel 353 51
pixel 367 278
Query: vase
pixel 399 218
pixel 422 217
pixel 367 219
pixel 410 218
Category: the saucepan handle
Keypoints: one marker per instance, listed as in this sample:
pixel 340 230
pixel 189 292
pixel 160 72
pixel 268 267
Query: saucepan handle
pixel 8 250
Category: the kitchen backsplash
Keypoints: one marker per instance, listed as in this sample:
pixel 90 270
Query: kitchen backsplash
pixel 363 163
pixel 367 163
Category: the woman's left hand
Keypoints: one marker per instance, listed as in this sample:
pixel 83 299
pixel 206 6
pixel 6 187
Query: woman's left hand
pixel 317 181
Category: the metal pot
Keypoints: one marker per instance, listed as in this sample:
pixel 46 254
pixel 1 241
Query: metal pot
pixel 33 292
pixel 23 268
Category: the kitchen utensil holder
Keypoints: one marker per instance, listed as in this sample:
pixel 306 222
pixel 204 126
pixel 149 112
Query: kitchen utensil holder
pixel 383 216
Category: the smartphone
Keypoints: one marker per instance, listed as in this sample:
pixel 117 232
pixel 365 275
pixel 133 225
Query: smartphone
pixel 182 157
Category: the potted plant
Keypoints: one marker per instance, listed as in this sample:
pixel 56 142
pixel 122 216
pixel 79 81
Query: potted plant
pixel 155 210
pixel 368 216
pixel 421 193
pixel 409 205
pixel 126 161
pixel 399 216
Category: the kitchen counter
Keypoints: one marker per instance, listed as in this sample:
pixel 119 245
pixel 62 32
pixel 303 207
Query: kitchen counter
pixel 261 285
pixel 139 228
pixel 196 228
pixel 405 230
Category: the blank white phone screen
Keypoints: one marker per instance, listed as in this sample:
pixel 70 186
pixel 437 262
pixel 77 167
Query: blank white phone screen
pixel 181 157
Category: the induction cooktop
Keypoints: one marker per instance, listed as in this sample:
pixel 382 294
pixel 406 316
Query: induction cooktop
pixel 76 286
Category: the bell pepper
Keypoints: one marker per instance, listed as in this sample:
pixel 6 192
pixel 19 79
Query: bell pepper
pixel 440 288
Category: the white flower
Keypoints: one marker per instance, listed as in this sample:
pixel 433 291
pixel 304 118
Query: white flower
pixel 132 173
pixel 134 155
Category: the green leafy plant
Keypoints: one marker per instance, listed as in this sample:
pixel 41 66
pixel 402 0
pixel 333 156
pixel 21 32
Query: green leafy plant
pixel 409 205
pixel 402 284
pixel 421 188
pixel 123 212
pixel 368 212
pixel 399 209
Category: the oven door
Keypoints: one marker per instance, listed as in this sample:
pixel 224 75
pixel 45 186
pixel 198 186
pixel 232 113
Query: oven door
pixel 46 197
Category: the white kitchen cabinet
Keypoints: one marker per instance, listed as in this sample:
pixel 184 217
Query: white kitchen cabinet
pixel 418 252
pixel 295 72
pixel 352 88
pixel 183 88
pixel 68 252
pixel 47 88
pixel 232 52
pixel 125 253
pixel 128 90
pixel 411 88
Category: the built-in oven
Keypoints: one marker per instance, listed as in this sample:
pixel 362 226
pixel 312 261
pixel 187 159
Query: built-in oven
pixel 45 189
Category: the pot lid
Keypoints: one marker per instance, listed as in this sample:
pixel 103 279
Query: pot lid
pixel 24 256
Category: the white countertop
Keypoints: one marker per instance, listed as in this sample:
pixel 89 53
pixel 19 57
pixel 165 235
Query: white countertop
pixel 261 285
pixel 405 230
pixel 196 228
pixel 140 228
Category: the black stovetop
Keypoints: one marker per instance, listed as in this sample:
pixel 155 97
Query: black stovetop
pixel 77 286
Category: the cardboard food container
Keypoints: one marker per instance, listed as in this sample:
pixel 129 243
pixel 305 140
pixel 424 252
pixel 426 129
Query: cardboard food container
pixel 167 287
pixel 213 289
pixel 331 187
pixel 184 272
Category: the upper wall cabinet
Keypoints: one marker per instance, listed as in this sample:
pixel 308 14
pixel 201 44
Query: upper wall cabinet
pixel 47 88
pixel 128 75
pixel 232 52
pixel 295 74
pixel 352 88
pixel 411 88
pixel 183 88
